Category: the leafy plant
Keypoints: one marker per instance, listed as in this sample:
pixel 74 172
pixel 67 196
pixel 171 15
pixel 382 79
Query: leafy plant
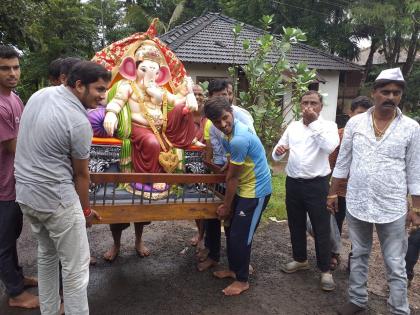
pixel 204 85
pixel 270 77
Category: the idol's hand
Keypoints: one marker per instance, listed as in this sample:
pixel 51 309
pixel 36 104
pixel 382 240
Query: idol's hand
pixel 190 84
pixel 191 102
pixel 110 123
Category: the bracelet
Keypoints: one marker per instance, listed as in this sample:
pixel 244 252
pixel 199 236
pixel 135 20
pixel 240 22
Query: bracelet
pixel 332 196
pixel 87 212
pixel 112 111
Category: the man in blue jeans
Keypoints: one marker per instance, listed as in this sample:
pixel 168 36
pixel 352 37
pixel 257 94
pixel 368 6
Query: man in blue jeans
pixel 381 152
pixel 248 190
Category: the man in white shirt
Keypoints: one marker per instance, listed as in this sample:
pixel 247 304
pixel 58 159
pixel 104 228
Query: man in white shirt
pixel 380 152
pixel 309 142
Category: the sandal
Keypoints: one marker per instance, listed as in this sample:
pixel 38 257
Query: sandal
pixel 335 261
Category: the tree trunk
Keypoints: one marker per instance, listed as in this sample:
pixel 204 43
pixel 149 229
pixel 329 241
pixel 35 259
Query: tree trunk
pixel 391 47
pixel 412 51
pixel 397 49
pixel 369 61
pixel 386 48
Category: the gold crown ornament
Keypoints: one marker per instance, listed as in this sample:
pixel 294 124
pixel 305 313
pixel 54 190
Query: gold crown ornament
pixel 148 51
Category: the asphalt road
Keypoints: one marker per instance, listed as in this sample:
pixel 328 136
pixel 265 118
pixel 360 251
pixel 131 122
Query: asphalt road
pixel 168 283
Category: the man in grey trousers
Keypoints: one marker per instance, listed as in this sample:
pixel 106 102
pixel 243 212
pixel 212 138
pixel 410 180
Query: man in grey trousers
pixel 52 182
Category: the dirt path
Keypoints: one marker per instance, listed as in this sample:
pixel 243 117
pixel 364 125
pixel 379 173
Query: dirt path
pixel 167 282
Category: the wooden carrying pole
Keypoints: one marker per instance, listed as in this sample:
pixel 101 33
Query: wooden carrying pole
pixel 133 210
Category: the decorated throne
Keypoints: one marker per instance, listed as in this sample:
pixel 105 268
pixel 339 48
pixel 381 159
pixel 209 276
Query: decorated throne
pixel 146 125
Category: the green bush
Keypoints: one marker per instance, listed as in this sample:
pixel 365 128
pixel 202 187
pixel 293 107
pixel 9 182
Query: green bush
pixel 277 207
pixel 269 79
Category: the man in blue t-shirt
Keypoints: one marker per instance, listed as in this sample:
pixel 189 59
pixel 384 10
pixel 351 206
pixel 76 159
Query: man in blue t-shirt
pixel 214 149
pixel 215 152
pixel 248 190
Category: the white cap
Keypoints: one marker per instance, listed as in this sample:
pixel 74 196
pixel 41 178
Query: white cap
pixel 393 74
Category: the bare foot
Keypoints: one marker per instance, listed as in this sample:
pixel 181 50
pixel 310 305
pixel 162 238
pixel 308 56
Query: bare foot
pixel 142 250
pixel 112 253
pixel 194 240
pixel 92 261
pixel 159 186
pixel 24 300
pixel 202 254
pixel 222 274
pixel 208 263
pixel 30 282
pixel 236 288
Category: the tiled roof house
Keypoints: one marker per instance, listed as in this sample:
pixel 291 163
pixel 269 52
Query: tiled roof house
pixel 205 45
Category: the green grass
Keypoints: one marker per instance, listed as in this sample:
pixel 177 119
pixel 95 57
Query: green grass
pixel 276 207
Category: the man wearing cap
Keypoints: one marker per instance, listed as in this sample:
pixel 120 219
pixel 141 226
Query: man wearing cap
pixel 380 152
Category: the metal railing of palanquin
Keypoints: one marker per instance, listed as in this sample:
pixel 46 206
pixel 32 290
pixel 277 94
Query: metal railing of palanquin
pixel 187 197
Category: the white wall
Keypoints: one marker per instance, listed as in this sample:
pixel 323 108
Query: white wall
pixel 330 87
pixel 195 70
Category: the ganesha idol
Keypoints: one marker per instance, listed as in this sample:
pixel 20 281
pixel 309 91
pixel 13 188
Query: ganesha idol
pixel 149 115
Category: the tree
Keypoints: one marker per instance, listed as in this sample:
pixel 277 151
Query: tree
pixel 193 8
pixel 411 96
pixel 392 26
pixel 269 81
pixel 169 12
pixel 326 23
pixel 109 16
pixel 58 28
pixel 15 28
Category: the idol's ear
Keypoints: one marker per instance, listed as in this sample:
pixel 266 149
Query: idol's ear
pixel 164 76
pixel 128 68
